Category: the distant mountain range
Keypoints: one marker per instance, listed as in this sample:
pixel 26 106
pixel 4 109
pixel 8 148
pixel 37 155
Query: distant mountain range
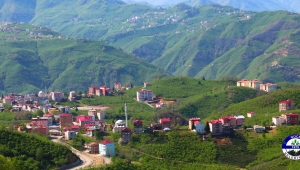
pixel 251 5
pixel 210 41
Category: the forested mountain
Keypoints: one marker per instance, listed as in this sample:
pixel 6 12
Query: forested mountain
pixel 211 40
pixel 34 58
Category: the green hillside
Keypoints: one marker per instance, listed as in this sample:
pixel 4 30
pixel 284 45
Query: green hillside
pixel 29 151
pixel 265 106
pixel 210 41
pixel 35 58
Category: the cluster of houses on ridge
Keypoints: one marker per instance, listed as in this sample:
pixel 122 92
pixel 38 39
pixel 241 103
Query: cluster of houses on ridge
pixel 256 84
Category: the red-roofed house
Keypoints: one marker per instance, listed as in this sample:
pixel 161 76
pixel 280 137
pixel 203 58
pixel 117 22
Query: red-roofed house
pixel 215 127
pixel 286 105
pixel 228 120
pixel 105 90
pixel 66 120
pixel 107 148
pixel 138 126
pixel 192 122
pixel 84 120
pixel 251 114
pixel 126 134
pixel 291 118
pixel 165 122
pixel 117 86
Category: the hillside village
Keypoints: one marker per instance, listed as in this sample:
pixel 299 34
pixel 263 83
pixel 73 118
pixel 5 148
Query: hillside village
pixel 56 120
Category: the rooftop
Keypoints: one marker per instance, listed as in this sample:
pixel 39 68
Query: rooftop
pixel 195 119
pixel 65 115
pixel 287 101
pixel 106 142
pixel 165 120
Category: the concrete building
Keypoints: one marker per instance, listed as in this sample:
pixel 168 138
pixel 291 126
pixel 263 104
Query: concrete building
pixel 228 120
pixel 107 148
pixel 258 129
pixel 93 148
pixel 92 113
pixel 69 135
pixel 215 127
pixel 117 86
pixel 57 96
pixel 240 119
pixel 42 121
pixel 66 120
pixel 291 118
pixel 7 100
pixel 165 122
pixel 199 127
pixel 72 96
pixel 277 120
pixel 92 91
pixel 101 115
pixel 138 126
pixel 126 134
pixel 286 105
pixel 192 122
pixel 268 87
pixel 144 95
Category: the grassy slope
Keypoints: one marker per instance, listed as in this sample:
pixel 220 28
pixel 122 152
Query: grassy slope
pixel 66 64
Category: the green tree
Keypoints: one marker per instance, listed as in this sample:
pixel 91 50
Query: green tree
pixel 39 112
pixel 39 154
pixel 203 78
pixel 5 163
pixel 7 106
pixel 207 128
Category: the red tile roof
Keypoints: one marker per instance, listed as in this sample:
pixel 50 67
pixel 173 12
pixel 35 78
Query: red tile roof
pixel 94 143
pixel 126 130
pixel 195 119
pixel 48 115
pixel 251 112
pixel 215 122
pixel 287 101
pixel 106 142
pixel 165 120
pixel 292 114
pixel 138 121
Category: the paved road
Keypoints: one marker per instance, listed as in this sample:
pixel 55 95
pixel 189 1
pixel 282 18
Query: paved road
pixel 85 160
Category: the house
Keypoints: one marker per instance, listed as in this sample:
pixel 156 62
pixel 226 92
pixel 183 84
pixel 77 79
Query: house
pixel 258 129
pixel 228 120
pixel 17 108
pixel 57 96
pixel 93 148
pixel 268 87
pixel 240 119
pixel 165 122
pixel 146 84
pixel 119 126
pixel 215 127
pixel 92 90
pixel 84 120
pixel 40 129
pixel 160 104
pixel 105 90
pixel 72 96
pixel 286 105
pixel 138 126
pixel 107 148
pixel 254 84
pixel 291 118
pixel 101 115
pixel 117 86
pixel 192 122
pixel 92 113
pixel 126 135
pixel 65 120
pixel 277 120
pixel 144 95
pixel 7 100
pixel 42 121
pixel 251 114
pixel 199 127
pixel 69 135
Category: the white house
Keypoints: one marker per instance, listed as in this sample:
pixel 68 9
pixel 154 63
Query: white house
pixel 251 114
pixel 277 120
pixel 69 135
pixel 240 119
pixel 107 148
pixel 144 95
pixel 258 129
pixel 119 126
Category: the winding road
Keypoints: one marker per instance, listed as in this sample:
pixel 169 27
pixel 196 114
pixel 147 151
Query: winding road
pixel 85 160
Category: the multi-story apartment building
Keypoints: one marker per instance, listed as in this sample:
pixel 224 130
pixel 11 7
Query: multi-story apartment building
pixel 144 95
